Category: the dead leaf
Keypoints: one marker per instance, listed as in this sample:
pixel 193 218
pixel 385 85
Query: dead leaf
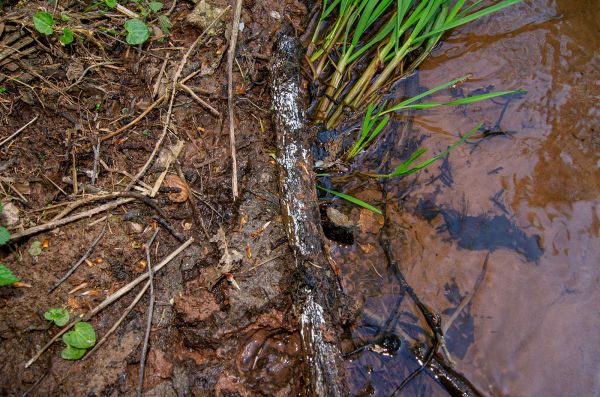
pixel 173 181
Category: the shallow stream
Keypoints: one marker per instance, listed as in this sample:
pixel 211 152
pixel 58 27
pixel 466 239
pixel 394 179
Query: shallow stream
pixel 527 195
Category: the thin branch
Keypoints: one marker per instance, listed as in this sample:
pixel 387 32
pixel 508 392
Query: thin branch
pixel 235 28
pixel 135 121
pixel 79 262
pixel 212 110
pixel 120 320
pixel 17 132
pixel 64 221
pixel 140 385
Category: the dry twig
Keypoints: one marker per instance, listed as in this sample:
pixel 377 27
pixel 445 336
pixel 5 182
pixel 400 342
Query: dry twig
pixel 212 110
pixel 64 221
pixel 149 323
pixel 17 132
pixel 120 320
pixel 79 262
pixel 230 58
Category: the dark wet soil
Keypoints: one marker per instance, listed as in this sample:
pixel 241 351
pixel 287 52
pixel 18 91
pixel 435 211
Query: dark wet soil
pixel 208 337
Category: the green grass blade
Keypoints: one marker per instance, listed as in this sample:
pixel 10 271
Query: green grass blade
pixel 352 199
pixel 471 17
pixel 403 104
pixel 462 101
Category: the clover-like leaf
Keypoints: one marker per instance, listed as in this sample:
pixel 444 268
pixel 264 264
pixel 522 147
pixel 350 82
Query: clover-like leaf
pixel 110 3
pixel 137 31
pixel 83 336
pixel 72 353
pixel 66 37
pixel 155 6
pixel 4 235
pixel 6 276
pixel 35 249
pixel 59 315
pixel 43 22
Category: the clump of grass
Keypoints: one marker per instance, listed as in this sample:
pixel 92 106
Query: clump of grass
pixel 395 36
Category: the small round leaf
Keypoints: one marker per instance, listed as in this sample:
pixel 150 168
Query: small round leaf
pixel 110 3
pixel 72 353
pixel 155 6
pixel 137 31
pixel 82 337
pixel 59 315
pixel 66 37
pixel 43 22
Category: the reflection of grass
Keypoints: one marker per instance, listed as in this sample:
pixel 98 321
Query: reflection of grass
pixel 395 36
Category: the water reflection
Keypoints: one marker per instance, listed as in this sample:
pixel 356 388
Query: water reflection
pixel 530 329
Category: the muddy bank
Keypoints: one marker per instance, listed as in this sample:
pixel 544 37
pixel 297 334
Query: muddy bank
pixel 224 320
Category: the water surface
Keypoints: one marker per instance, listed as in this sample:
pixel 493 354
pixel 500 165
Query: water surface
pixel 529 198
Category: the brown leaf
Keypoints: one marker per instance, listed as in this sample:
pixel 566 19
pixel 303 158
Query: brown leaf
pixel 173 181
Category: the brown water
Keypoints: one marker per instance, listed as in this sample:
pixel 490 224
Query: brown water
pixel 529 198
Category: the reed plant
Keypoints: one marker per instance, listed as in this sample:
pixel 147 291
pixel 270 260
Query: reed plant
pixel 361 45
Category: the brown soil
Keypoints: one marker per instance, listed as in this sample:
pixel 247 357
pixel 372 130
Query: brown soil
pixel 208 337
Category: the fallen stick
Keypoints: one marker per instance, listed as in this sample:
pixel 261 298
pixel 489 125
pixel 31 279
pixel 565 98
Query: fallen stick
pixel 212 110
pixel 317 295
pixel 111 299
pixel 17 132
pixel 136 120
pixel 79 262
pixel 137 196
pixel 140 386
pixel 120 320
pixel 235 28
pixel 64 221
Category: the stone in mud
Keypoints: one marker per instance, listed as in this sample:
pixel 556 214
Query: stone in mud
pixel 203 14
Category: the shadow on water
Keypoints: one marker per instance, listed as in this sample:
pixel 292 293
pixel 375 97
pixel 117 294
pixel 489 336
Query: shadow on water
pixel 489 233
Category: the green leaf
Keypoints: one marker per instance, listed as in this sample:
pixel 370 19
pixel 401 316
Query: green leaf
pixel 110 3
pixel 43 22
pixel 65 17
pixel 35 249
pixel 3 90
pixel 82 337
pixel 137 31
pixel 165 24
pixel 59 315
pixel 4 235
pixel 66 37
pixel 6 276
pixel 155 6
pixel 352 199
pixel 72 353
